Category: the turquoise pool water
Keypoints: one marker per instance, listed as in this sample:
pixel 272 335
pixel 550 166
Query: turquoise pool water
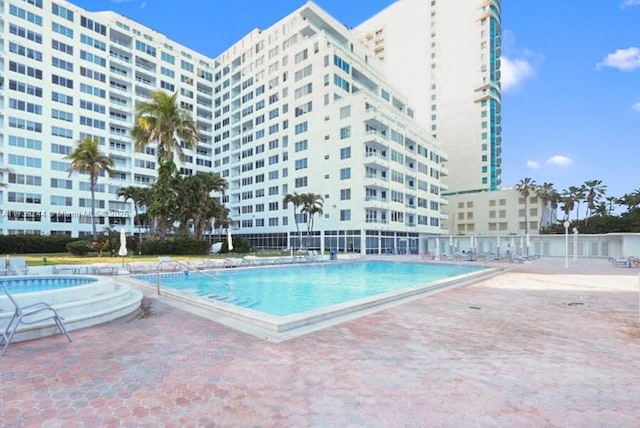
pixel 28 284
pixel 288 290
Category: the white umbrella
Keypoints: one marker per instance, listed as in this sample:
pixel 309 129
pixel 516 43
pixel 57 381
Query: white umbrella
pixel 122 252
pixel 437 248
pixel 229 241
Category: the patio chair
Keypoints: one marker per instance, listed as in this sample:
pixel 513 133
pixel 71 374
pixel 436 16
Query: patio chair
pixel 18 265
pixel 29 315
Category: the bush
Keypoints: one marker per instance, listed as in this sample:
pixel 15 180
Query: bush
pixel 80 248
pixel 240 245
pixel 176 247
pixel 22 244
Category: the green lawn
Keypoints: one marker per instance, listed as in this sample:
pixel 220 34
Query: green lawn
pixel 70 259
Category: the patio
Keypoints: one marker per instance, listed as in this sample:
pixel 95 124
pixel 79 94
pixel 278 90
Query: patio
pixel 537 346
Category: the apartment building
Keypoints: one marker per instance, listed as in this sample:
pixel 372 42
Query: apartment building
pixel 446 54
pixel 298 107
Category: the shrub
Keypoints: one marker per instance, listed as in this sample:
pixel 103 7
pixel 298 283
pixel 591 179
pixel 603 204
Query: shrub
pixel 38 244
pixel 176 247
pixel 80 248
pixel 240 245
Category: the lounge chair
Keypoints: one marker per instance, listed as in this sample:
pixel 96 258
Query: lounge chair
pixel 18 266
pixel 103 269
pixel 29 315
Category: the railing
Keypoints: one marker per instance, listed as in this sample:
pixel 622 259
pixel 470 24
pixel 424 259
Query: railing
pixel 169 260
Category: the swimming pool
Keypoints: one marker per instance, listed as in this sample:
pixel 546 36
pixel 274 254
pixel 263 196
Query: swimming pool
pixel 32 284
pixel 291 290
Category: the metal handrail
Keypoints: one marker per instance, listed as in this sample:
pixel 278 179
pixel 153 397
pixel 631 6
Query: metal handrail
pixel 226 284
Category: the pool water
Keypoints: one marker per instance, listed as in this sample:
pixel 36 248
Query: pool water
pixel 32 284
pixel 288 290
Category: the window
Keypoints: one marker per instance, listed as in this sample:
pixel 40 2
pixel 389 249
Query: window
pixel 301 182
pixel 345 153
pixel 301 127
pixel 301 163
pixel 345 132
pixel 345 194
pixel 345 173
pixel 345 215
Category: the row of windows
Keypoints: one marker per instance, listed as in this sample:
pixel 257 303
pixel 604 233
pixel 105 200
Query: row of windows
pixel 25 34
pixel 25 52
pixel 25 88
pixel 27 16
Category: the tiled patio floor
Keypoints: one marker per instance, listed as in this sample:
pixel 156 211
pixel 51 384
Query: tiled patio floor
pixel 527 348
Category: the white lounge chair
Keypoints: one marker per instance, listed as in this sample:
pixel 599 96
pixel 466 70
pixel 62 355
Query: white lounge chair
pixel 18 266
pixel 28 315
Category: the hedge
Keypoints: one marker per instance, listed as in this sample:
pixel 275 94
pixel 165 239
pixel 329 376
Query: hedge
pixel 176 247
pixel 30 244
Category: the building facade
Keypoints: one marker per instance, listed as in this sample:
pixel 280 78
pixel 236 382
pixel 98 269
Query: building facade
pixel 446 54
pixel 501 212
pixel 299 107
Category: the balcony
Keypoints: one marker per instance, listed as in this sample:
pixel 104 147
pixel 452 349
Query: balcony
pixel 374 159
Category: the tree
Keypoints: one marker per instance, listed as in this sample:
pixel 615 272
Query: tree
pixel 550 198
pixel 311 205
pixel 630 200
pixel 568 202
pixel 164 123
pixel 525 187
pixel 139 197
pixel 579 194
pixel 595 190
pixel 611 200
pixel 296 200
pixel 196 206
pixel 86 158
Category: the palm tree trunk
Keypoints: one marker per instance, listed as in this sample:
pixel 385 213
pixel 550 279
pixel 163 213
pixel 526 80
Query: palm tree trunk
pixel 93 206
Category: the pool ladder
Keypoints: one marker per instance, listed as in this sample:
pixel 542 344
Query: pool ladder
pixel 189 269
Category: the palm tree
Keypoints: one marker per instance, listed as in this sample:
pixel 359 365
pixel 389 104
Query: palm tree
pixel 549 197
pixel 138 196
pixel 568 202
pixel 161 121
pixel 196 206
pixel 311 205
pixel 595 190
pixel 525 187
pixel 86 158
pixel 579 194
pixel 611 200
pixel 630 200
pixel 296 200
pixel 171 128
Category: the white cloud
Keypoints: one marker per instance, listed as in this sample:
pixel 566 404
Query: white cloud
pixel 533 164
pixel 512 72
pixel 559 160
pixel 629 3
pixel 636 106
pixel 622 59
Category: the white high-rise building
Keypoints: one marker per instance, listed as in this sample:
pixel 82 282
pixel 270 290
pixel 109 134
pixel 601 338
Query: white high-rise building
pixel 445 54
pixel 299 107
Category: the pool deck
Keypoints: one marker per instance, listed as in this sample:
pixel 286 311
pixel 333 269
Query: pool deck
pixel 537 346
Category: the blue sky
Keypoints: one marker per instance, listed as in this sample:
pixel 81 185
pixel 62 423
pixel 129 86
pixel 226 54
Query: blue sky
pixel 571 75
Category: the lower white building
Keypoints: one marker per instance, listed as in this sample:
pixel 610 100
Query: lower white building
pixel 500 212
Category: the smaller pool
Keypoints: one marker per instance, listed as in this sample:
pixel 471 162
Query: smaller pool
pixel 32 284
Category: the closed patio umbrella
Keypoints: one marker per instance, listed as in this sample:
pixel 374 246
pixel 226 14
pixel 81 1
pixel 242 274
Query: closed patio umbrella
pixel 122 252
pixel 229 241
